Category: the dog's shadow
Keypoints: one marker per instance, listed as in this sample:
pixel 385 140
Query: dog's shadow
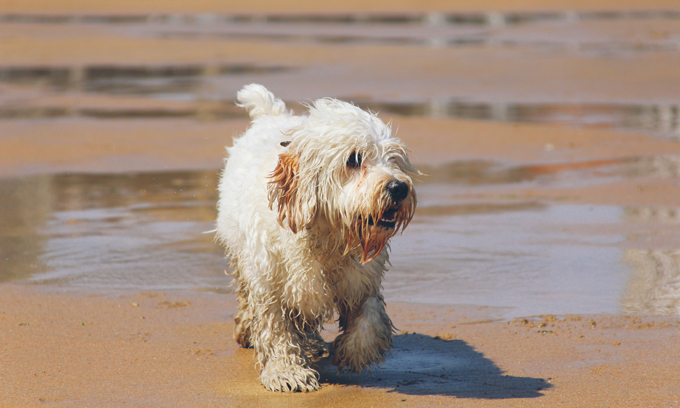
pixel 423 365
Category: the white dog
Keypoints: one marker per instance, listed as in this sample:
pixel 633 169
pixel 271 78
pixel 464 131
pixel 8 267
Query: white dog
pixel 307 205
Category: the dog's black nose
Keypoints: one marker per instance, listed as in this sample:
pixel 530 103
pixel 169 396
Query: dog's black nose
pixel 398 190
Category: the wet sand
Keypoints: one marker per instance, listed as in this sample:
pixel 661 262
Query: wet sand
pixel 174 349
pixel 111 146
pixel 73 347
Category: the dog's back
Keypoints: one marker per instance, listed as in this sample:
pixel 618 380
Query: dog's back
pixel 250 161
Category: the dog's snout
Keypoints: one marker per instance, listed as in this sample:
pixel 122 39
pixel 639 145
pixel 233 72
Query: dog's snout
pixel 398 190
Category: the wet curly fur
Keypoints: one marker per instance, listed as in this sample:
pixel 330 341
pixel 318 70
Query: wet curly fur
pixel 307 205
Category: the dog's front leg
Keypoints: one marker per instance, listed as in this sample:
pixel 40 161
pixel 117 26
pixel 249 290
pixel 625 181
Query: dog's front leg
pixel 278 345
pixel 366 337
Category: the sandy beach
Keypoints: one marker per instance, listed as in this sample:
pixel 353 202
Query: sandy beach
pixel 83 159
pixel 165 349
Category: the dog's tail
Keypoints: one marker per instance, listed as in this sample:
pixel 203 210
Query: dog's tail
pixel 258 101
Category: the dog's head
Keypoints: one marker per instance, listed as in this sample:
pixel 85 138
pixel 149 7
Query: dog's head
pixel 342 170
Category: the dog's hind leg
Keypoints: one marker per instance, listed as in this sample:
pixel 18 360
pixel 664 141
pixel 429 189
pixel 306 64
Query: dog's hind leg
pixel 366 337
pixel 314 346
pixel 244 316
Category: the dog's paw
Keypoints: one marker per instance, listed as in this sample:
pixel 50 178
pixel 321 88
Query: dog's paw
pixel 276 377
pixel 357 354
pixel 242 333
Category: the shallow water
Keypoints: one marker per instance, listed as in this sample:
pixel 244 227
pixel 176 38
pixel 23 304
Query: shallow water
pixel 512 257
pixel 144 232
pixel 124 231
pixel 188 83
pixel 205 89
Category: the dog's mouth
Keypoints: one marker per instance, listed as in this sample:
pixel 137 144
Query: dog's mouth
pixel 388 220
pixel 374 231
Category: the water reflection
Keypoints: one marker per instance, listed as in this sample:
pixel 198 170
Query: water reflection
pixel 663 167
pixel 209 112
pixel 123 231
pixel 24 210
pixel 143 231
pixel 486 172
pixel 492 30
pixel 461 209
pixel 661 118
pixel 433 29
pixel 521 258
pixel 654 285
pixel 129 80
pixel 194 88
pixel 652 214
pixel 490 18
pixel 41 75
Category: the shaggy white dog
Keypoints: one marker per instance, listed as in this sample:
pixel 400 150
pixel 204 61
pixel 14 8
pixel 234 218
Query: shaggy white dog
pixel 307 205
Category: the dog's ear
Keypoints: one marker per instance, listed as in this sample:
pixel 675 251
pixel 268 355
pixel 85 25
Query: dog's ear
pixel 293 195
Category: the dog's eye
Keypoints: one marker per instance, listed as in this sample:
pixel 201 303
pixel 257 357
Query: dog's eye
pixel 354 160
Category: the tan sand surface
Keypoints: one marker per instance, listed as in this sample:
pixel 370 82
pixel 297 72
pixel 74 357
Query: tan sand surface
pixel 175 350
